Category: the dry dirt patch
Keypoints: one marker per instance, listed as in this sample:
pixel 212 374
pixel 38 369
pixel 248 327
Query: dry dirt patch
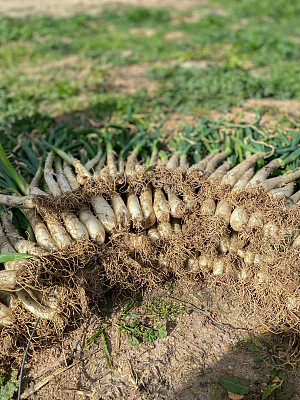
pixel 73 67
pixel 199 348
pixel 22 8
pixel 69 61
pixel 193 18
pixel 295 39
pixel 143 31
pixel 200 64
pixel 175 120
pixel 288 106
pixel 271 109
pixel 175 35
pixel 245 113
pixel 129 79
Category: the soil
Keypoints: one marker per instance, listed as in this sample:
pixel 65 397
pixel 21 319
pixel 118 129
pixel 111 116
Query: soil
pixel 130 79
pixel 65 62
pixel 271 109
pixel 23 8
pixel 201 346
pixel 175 35
pixel 287 106
pixel 246 113
pixel 143 31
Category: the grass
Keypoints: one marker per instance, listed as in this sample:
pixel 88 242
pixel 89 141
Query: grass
pixel 220 86
pixel 57 73
pixel 251 51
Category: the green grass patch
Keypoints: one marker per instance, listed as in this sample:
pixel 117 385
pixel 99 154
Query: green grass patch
pixel 187 89
pixel 64 67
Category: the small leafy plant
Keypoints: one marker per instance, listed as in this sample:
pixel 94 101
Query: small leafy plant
pixel 138 332
pixel 278 388
pixel 267 350
pixel 233 384
pixel 164 309
pixel 270 350
pixel 147 326
pixel 8 385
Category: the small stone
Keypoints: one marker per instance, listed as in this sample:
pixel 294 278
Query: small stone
pixel 203 384
pixel 78 346
pixel 230 367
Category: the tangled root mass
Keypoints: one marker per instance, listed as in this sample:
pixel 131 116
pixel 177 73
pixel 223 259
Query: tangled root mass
pixel 81 273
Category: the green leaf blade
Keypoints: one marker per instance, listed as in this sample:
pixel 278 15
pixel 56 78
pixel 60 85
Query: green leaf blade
pixel 234 384
pixel 270 389
pixel 214 391
pixel 6 257
pixel 105 348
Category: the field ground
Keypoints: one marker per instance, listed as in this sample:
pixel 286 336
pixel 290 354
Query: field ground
pixel 209 337
pixel 198 59
pixel 18 8
pixel 83 63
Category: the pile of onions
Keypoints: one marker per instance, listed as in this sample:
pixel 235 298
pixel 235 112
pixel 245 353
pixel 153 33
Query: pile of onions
pixel 207 219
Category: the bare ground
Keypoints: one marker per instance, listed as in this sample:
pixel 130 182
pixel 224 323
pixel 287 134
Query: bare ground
pixel 22 8
pixel 200 347
pixel 270 109
pixel 130 79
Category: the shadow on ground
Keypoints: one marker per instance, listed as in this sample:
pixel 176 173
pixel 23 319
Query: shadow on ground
pixel 211 338
pixel 201 345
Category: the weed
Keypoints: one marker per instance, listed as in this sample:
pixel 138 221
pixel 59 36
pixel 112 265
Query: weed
pixel 274 353
pixel 148 325
pixel 278 386
pixel 138 332
pixel 8 385
pixel 164 309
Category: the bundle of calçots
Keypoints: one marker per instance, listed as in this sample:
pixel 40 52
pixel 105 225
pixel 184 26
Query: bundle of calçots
pixel 129 224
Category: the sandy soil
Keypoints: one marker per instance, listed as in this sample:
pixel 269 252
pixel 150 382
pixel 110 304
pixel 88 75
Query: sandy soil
pixel 21 8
